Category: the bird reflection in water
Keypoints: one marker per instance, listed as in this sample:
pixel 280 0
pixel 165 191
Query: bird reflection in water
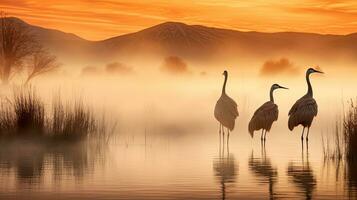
pixel 301 174
pixel 225 169
pixel 263 169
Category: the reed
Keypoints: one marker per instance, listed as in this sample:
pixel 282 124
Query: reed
pixel 7 120
pixel 335 150
pixel 25 116
pixel 350 131
pixel 345 137
pixel 72 121
pixel 29 112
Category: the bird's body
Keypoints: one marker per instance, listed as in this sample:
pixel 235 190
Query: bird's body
pixel 305 109
pixel 302 112
pixel 265 115
pixel 226 110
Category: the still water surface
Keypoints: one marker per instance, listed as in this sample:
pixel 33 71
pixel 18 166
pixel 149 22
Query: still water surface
pixel 175 168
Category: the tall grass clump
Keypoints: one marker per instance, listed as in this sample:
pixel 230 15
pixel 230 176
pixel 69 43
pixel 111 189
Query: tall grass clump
pixel 345 137
pixel 350 135
pixel 350 131
pixel 344 151
pixel 26 115
pixel 29 112
pixel 7 120
pixel 72 122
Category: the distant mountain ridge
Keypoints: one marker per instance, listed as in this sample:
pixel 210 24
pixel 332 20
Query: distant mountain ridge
pixel 196 43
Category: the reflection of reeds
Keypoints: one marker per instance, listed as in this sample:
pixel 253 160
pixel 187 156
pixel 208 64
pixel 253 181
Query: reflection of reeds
pixel 34 162
pixel 26 114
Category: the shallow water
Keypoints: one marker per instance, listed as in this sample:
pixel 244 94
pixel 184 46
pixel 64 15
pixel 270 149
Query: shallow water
pixel 167 147
pixel 176 168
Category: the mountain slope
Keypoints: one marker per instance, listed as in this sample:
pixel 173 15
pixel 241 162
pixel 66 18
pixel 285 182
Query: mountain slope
pixel 211 44
pixel 66 46
pixel 197 44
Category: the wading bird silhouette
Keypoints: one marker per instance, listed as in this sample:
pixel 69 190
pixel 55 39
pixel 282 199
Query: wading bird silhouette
pixel 225 111
pixel 305 109
pixel 265 115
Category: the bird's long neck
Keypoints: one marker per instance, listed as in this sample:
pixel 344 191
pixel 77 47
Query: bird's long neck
pixel 271 94
pixel 224 84
pixel 309 87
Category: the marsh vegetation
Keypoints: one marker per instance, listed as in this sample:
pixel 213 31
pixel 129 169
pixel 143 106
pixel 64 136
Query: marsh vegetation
pixel 26 116
pixel 343 144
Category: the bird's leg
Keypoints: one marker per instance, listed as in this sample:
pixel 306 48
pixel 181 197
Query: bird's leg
pixel 227 138
pixel 228 142
pixel 302 135
pixel 307 135
pixel 307 147
pixel 223 144
pixel 265 132
pixel 261 136
pixel 302 148
pixel 220 133
pixel 265 135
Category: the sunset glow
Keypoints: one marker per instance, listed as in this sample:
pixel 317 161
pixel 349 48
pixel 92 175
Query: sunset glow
pixel 178 99
pixel 97 20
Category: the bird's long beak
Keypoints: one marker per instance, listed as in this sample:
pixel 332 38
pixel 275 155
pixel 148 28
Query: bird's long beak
pixel 317 71
pixel 283 87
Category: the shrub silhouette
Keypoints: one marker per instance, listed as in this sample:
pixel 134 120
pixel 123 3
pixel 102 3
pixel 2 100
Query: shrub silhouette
pixel 174 65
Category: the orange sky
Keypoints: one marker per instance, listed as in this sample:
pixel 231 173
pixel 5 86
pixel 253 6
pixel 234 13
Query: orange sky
pixel 100 19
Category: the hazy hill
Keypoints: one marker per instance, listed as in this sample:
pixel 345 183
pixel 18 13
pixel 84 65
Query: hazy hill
pixel 198 44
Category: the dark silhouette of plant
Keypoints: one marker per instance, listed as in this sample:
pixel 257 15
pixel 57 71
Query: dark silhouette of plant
pixel 41 62
pixel 72 122
pixel 16 44
pixel 19 48
pixel 29 112
pixel 26 115
pixel 350 131
pixel 174 65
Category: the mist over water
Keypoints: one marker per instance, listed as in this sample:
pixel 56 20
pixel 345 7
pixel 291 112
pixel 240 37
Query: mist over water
pixel 166 144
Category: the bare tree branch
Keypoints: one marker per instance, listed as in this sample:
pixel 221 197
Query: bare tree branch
pixel 16 44
pixel 40 63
